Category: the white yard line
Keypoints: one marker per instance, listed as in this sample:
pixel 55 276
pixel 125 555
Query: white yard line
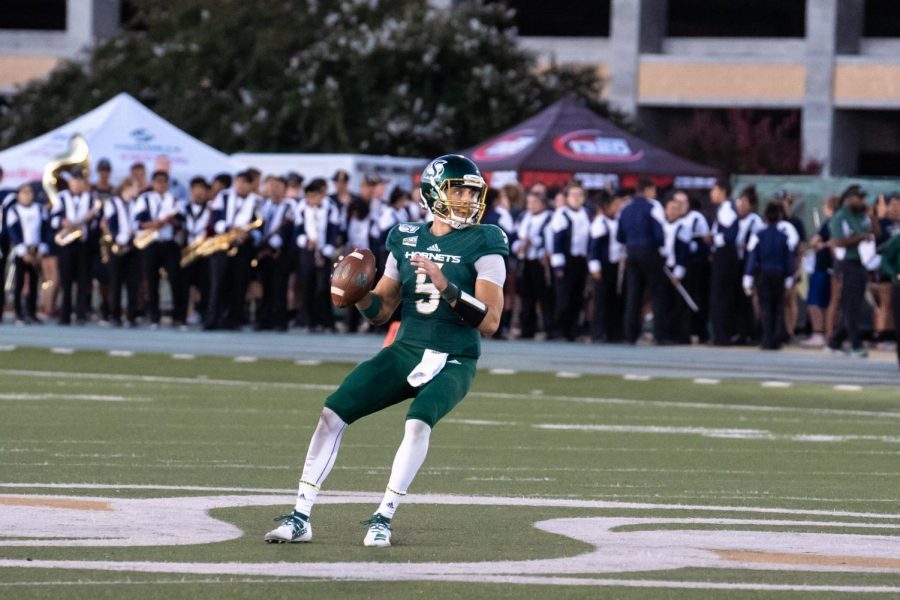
pixel 84 397
pixel 121 353
pixel 183 356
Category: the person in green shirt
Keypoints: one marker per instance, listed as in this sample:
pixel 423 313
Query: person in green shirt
pixel 851 225
pixel 890 265
pixel 447 279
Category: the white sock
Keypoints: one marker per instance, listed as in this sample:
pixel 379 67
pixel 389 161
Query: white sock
pixel 409 458
pixel 323 449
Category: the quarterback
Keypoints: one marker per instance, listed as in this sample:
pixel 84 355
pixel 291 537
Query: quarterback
pixel 447 278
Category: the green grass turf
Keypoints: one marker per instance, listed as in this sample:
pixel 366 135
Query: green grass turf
pixel 214 422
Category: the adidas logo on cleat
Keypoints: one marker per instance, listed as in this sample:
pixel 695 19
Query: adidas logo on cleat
pixel 434 248
pixel 390 505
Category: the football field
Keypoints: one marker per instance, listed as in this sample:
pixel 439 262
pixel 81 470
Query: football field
pixel 139 475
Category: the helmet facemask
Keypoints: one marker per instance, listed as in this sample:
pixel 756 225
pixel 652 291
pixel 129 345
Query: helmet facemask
pixel 460 203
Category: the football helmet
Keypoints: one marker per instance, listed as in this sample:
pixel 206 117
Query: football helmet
pixel 454 190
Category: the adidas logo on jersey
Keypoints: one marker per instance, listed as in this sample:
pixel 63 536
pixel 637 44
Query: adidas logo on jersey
pixel 434 248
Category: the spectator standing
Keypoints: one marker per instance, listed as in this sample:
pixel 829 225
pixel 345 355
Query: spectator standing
pixel 890 266
pixel 888 208
pixel 850 226
pixel 641 232
pixel 818 299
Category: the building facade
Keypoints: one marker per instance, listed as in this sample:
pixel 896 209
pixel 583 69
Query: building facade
pixel 837 62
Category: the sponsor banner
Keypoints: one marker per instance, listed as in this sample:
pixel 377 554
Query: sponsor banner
pixel 593 146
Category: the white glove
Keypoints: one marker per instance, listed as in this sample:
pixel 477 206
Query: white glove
pixel 788 283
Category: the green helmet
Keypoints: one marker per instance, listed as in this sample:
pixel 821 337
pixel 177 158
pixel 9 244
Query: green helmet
pixel 459 209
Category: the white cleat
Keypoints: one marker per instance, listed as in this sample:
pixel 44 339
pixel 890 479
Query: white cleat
pixel 379 534
pixel 295 529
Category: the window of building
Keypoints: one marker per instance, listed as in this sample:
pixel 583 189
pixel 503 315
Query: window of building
pixel 48 15
pixel 882 18
pixel 727 18
pixel 574 18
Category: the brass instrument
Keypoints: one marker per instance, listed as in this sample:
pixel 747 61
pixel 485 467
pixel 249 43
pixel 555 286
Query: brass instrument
pixel 145 237
pixel 224 242
pixel 73 232
pixel 76 154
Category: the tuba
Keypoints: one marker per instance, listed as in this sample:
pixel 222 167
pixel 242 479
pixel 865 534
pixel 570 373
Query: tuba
pixel 76 154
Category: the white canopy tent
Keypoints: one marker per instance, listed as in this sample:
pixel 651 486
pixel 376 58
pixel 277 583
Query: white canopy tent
pixel 124 131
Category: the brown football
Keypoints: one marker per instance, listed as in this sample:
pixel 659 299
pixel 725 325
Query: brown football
pixel 353 277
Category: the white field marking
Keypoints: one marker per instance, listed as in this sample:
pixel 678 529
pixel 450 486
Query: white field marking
pixel 776 384
pixel 635 377
pixel 502 579
pixel 121 353
pixel 245 359
pixel 536 392
pixel 502 371
pixel 848 388
pixel 704 381
pixel 183 356
pixel 62 350
pixel 648 544
pixel 202 380
pixel 307 363
pixel 7 348
pixel 86 397
pixel 568 375
pixel 739 434
pixel 480 422
pixel 352 497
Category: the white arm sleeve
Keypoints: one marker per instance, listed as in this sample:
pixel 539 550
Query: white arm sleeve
pixel 490 267
pixel 390 268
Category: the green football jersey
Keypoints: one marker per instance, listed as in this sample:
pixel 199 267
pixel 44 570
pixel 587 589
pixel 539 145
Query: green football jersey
pixel 427 321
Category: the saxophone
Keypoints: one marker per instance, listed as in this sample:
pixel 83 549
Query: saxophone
pixel 224 242
pixel 73 231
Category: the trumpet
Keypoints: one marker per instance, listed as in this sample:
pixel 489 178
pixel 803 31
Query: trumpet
pixel 224 242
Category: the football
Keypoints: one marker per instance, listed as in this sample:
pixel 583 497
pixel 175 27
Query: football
pixel 353 276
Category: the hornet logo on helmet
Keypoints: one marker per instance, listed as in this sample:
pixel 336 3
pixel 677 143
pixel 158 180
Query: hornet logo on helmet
pixel 434 171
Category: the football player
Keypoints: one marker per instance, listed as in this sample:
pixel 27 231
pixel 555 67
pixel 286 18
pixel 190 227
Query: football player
pixel 447 278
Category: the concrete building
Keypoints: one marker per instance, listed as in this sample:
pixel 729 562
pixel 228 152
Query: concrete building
pixel 835 62
pixel 36 34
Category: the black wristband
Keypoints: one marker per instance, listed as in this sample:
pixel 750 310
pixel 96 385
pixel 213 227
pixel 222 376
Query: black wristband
pixel 471 309
pixel 450 293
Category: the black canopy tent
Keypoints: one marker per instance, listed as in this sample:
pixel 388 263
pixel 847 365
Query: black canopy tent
pixel 567 140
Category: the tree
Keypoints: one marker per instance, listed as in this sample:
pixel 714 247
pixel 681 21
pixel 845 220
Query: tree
pixel 741 141
pixel 373 76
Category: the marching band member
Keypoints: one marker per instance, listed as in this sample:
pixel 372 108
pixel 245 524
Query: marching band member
pixel 725 274
pixel 749 223
pixel 73 216
pixel 396 211
pixel 7 199
pixel 696 278
pixel 675 319
pixel 571 227
pixel 316 228
pixel 124 261
pixel 605 252
pixel 274 255
pixel 156 213
pixel 195 276
pixel 531 249
pixel 26 224
pixel 232 211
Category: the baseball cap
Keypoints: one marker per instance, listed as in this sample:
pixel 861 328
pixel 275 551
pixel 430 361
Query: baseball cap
pixel 853 190
pixel 104 165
